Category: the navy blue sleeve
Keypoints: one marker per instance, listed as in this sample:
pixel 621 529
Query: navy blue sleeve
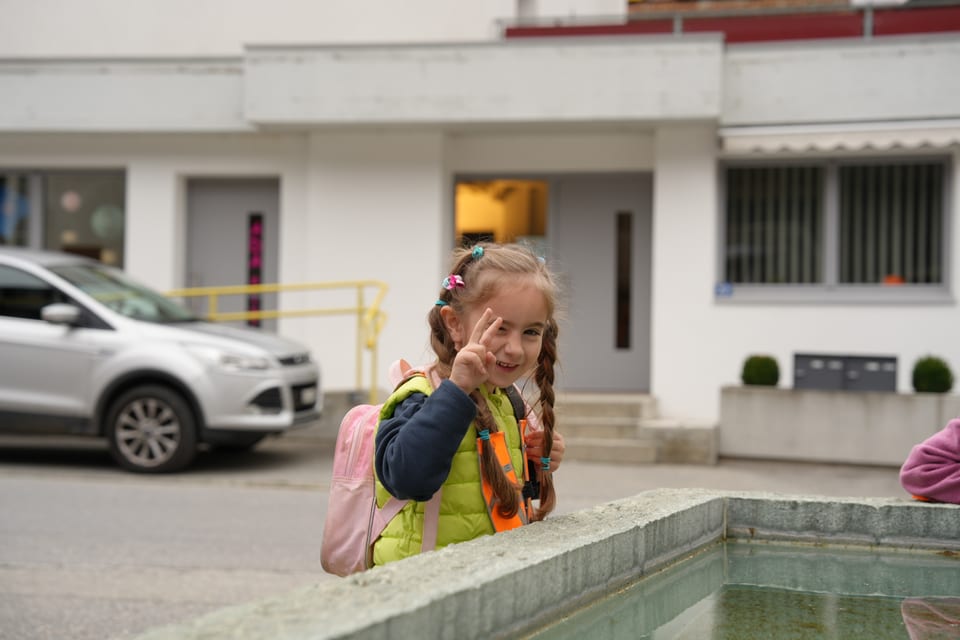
pixel 415 447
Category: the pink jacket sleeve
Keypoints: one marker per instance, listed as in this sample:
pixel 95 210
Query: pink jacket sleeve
pixel 932 470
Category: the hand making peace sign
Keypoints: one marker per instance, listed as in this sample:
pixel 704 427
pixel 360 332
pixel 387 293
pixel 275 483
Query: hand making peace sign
pixel 469 369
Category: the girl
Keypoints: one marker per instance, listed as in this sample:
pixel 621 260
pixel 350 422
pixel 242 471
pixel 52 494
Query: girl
pixel 492 324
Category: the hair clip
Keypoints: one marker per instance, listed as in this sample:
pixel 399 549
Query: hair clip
pixel 484 434
pixel 477 252
pixel 441 303
pixel 545 463
pixel 453 281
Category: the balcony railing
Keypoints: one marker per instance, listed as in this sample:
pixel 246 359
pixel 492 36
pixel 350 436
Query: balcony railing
pixel 754 22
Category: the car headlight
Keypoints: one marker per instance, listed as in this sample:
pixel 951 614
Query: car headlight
pixel 243 363
pixel 229 360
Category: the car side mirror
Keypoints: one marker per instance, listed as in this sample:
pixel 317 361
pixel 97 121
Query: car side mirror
pixel 60 313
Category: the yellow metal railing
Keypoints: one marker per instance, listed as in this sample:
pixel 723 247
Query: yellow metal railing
pixel 370 317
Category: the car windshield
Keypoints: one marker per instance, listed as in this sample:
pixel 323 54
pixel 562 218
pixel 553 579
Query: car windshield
pixel 121 294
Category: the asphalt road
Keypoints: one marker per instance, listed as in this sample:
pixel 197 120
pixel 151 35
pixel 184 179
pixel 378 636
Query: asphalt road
pixel 88 551
pixel 92 552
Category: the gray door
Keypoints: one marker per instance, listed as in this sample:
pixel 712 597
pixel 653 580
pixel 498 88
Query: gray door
pixel 225 246
pixel 600 238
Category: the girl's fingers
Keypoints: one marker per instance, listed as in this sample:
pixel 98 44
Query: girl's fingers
pixel 482 324
pixel 486 328
pixel 556 452
pixel 534 443
pixel 491 331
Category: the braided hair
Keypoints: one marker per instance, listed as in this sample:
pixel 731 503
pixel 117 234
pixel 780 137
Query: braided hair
pixel 483 270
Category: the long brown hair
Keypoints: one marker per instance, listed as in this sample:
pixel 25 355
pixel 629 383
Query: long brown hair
pixel 484 270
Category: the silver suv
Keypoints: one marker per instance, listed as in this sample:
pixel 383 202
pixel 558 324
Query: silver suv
pixel 85 350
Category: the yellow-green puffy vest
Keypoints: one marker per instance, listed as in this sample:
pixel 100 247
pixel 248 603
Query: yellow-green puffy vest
pixel 463 512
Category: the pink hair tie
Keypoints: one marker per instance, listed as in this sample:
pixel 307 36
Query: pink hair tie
pixel 452 281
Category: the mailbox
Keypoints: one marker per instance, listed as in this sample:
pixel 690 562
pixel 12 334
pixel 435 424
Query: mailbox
pixel 844 372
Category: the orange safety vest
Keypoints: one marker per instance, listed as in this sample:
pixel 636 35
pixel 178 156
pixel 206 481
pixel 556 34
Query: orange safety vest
pixel 502 452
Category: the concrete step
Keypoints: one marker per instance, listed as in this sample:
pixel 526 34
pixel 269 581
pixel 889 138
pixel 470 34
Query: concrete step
pixel 663 441
pixel 598 427
pixel 571 405
pixel 607 450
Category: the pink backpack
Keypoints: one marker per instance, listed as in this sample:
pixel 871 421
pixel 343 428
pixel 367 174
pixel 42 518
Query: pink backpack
pixel 353 520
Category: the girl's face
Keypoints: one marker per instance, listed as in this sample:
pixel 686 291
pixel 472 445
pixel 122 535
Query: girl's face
pixel 516 344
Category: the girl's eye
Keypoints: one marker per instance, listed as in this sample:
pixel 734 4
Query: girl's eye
pixel 532 332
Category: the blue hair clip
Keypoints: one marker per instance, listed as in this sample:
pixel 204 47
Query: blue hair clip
pixel 477 252
pixel 545 463
pixel 441 303
pixel 485 434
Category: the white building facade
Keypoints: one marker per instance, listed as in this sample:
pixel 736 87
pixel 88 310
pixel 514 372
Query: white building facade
pixel 776 197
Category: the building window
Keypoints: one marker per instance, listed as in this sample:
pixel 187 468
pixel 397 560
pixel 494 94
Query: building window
pixel 853 227
pixel 15 204
pixel 79 212
pixel 891 223
pixel 774 216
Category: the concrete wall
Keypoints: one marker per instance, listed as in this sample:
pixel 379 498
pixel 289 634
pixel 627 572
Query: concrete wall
pixel 99 95
pixel 376 210
pixel 846 81
pixel 222 27
pixel 867 427
pixel 617 80
pixel 684 345
pixel 608 8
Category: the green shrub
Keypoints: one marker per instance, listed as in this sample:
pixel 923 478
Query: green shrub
pixel 932 375
pixel 760 370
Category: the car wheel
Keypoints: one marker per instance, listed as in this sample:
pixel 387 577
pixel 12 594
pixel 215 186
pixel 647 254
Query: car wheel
pixel 151 429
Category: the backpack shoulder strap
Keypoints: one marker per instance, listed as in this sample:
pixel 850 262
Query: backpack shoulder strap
pixel 519 406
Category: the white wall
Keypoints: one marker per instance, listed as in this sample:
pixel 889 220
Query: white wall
pixel 684 369
pixel 617 79
pixel 629 150
pixel 222 27
pixel 895 78
pixel 134 96
pixel 377 211
pixel 580 8
pixel 699 346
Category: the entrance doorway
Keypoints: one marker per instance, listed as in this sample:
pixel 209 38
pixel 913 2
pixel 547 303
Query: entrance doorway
pixel 595 230
pixel 502 210
pixel 232 239
pixel 600 232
